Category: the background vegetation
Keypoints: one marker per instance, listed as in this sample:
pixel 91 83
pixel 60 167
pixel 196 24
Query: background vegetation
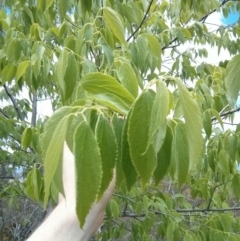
pixel 132 87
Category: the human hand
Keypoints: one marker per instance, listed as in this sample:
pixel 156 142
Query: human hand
pixel 62 224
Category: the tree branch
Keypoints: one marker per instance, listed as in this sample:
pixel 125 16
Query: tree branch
pixel 7 177
pixel 20 116
pixel 140 25
pixel 204 210
pixel 34 110
pixel 227 113
pixel 201 20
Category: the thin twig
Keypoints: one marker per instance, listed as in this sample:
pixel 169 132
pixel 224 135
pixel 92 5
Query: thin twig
pixel 227 113
pixel 20 116
pixel 34 110
pixel 204 210
pixel 201 20
pixel 140 25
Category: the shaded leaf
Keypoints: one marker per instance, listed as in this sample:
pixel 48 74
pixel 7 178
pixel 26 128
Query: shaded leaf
pixel 118 124
pixel 182 153
pixel 126 161
pixel 164 157
pixel 207 123
pixel 88 170
pixel 108 148
pixel 144 161
pixel 236 185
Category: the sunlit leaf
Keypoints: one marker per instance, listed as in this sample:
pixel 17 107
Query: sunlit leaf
pixel 114 22
pixel 22 69
pixel 107 90
pixel 232 82
pixel 159 113
pixel 114 209
pixel 26 137
pixel 55 129
pixel 193 118
pixel 8 73
pixel 182 153
pixel 128 78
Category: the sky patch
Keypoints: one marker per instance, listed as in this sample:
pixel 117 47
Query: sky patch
pixel 231 19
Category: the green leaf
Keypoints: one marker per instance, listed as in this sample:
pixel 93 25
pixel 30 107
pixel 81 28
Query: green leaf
pixel 207 123
pixel 182 152
pixel 159 113
pixel 143 50
pixel 54 155
pixel 188 237
pixel 22 69
pixel 112 102
pixel 113 20
pixel 87 4
pixel 232 82
pixel 88 169
pixel 41 5
pixel 37 183
pixel 114 209
pixel 217 116
pixel 236 185
pixel 108 148
pixel 49 3
pixel 107 90
pixel 193 118
pixel 128 78
pixel 34 184
pixel 164 157
pixel 144 161
pixel 170 231
pixel 61 69
pixel 14 49
pixel 8 73
pixel 232 146
pixel 126 161
pixel 67 72
pixel 226 221
pixel 71 76
pixel 63 7
pixel 154 45
pixel 222 162
pixel 26 137
pixel 102 83
pixel 118 124
pixel 55 129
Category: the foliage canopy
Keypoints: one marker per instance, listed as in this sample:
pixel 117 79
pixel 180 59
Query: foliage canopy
pixel 131 88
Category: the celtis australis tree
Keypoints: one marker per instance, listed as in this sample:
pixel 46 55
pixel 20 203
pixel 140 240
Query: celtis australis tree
pixel 131 88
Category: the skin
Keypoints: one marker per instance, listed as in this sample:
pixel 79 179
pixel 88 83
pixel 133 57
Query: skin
pixel 62 224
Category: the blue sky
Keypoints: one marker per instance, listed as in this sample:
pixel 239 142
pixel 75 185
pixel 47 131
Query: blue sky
pixel 232 18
